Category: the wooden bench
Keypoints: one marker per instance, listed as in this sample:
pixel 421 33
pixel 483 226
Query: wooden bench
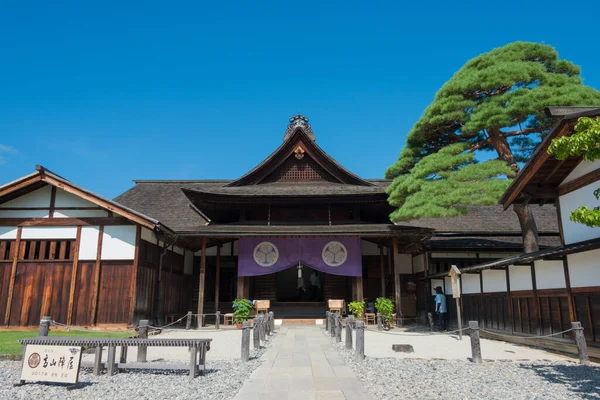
pixel 228 319
pixel 196 366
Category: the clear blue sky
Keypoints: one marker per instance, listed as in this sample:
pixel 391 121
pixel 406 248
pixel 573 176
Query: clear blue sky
pixel 106 93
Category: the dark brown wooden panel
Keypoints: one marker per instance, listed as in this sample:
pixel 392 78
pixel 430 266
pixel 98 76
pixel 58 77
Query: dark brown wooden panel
pixel 113 296
pixel 265 287
pixel 335 287
pixel 83 294
pixel 5 269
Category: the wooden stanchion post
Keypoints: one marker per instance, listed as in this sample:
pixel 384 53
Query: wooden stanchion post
pixel 359 354
pixel 349 322
pixel 338 329
pixel 327 321
pixel 332 324
pixel 218 320
pixel 45 326
pixel 256 333
pixel 475 343
pixel 272 318
pixel 142 351
pixel 379 322
pixel 261 327
pixel 188 321
pixel 580 342
pixel 430 320
pixel 246 341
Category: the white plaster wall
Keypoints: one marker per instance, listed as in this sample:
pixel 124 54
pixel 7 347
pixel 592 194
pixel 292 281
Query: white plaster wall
pixel 583 168
pixel 66 199
pixel 584 268
pixel 188 262
pixel 37 198
pixel 418 263
pixel 118 242
pixel 149 236
pixel 520 277
pixel 49 232
pixel 80 213
pixel 494 280
pixel 549 274
pixel 405 261
pixel 584 196
pixel 435 283
pixel 368 248
pixel 470 283
pixel 88 247
pixel 178 250
pixel 24 213
pixel 8 232
pixel 447 285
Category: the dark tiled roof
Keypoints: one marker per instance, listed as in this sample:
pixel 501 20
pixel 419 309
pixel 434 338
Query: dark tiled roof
pixel 302 189
pixel 274 230
pixel 490 219
pixel 493 243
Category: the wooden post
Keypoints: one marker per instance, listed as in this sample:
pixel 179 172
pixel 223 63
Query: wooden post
pixel 256 333
pixel 580 342
pixel 96 281
pixel 13 276
pixel 333 323
pixel 338 329
pixel 379 322
pixel 382 270
pixel 73 275
pixel 110 362
pixel 188 321
pixel 134 273
pixel 218 278
pixel 459 318
pixel 201 283
pixel 261 329
pixel 349 322
pixel 142 334
pixel 397 293
pixel 123 357
pixel 98 360
pixel 510 305
pixel 45 326
pixel 193 361
pixel 246 341
pixel 475 344
pixel 218 320
pixel 569 291
pixel 430 320
pixel 272 319
pixel 359 354
pixel 327 321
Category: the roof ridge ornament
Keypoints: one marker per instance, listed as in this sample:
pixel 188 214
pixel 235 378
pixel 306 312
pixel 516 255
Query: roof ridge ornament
pixel 299 121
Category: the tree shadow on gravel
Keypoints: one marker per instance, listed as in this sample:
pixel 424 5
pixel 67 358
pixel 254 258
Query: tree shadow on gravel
pixel 581 379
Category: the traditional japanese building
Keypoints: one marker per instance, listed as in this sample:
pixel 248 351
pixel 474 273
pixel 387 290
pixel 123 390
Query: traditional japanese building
pixel 297 229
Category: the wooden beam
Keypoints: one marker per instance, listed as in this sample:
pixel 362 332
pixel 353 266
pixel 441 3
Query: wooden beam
pixel 134 273
pixel 569 292
pixel 96 281
pixel 540 192
pixel 536 299
pixel 13 275
pixel 217 277
pixel 19 185
pixel 52 202
pixel 74 276
pixel 382 270
pixel 93 221
pixel 398 302
pixel 201 283
pixel 509 296
pixel 553 171
pixel 580 182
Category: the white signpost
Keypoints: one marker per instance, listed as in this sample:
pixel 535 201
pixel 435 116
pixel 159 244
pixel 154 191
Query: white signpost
pixel 51 364
pixel 455 277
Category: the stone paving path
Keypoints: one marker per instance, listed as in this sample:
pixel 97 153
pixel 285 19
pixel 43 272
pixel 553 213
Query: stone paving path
pixel 303 365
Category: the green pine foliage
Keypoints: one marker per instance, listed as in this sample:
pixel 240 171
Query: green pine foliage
pixel 585 143
pixel 495 102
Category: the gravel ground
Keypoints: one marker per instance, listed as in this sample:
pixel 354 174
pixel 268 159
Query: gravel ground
pixel 223 379
pixel 393 378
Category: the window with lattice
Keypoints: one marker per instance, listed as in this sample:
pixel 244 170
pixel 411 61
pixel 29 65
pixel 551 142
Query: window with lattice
pixel 303 170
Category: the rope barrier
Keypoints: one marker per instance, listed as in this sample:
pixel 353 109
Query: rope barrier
pixel 74 328
pixel 525 337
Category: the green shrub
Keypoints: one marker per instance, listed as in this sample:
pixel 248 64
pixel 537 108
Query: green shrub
pixel 385 307
pixel 241 310
pixel 357 308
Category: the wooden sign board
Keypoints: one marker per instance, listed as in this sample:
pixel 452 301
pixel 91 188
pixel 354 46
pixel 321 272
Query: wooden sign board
pixel 336 304
pixel 51 364
pixel 455 277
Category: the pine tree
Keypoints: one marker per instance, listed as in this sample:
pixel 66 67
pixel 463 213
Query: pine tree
pixel 585 143
pixel 494 103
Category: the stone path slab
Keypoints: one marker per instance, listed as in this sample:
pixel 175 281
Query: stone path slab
pixel 302 364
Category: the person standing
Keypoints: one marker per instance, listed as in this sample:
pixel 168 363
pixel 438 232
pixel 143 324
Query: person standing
pixel 313 286
pixel 440 308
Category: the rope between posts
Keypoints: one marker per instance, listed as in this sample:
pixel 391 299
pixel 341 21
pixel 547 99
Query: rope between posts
pixel 74 328
pixel 166 326
pixel 421 334
pixel 525 337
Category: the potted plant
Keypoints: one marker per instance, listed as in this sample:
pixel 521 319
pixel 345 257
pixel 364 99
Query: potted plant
pixel 357 308
pixel 385 307
pixel 241 311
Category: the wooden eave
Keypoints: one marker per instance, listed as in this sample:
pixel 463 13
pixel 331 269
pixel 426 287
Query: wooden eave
pixel 281 154
pixel 44 177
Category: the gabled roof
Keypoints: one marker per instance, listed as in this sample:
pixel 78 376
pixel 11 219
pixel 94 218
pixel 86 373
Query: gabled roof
pixel 539 179
pixel 299 134
pixel 44 177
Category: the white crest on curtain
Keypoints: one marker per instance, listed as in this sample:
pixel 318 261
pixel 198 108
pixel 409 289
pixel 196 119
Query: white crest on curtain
pixel 334 254
pixel 266 254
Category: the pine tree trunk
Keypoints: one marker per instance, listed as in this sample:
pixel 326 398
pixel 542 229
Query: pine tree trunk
pixel 524 213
